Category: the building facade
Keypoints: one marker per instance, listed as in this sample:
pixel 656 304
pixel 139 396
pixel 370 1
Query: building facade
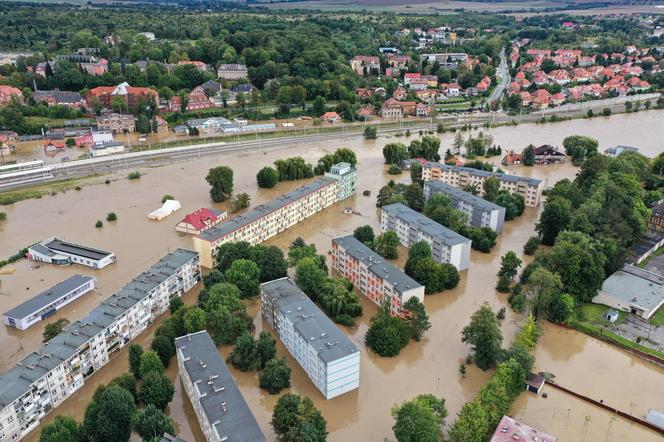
pixel 232 72
pixel 130 95
pixel 45 378
pixel 222 412
pixel 48 302
pixel 269 219
pixel 329 358
pixel 116 123
pixel 346 175
pixel 656 219
pixel 59 252
pixel 480 212
pixel 458 176
pixel 447 246
pixel 373 276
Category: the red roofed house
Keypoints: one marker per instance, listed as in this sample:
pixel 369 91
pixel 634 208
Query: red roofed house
pixel 330 117
pixel 539 53
pixel 512 159
pixel 422 110
pixel 510 430
pixel 526 98
pixel 558 98
pixel 400 93
pixel 560 76
pixel 363 93
pixel 9 92
pixel 418 84
pixel 366 113
pixel 199 221
pixel 541 98
pixel 408 107
pixel 130 94
pixel 199 64
pixel 53 145
pixel 409 76
pixel 391 109
pixel 195 100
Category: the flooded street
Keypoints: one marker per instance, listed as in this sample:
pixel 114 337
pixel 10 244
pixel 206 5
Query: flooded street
pixel 430 366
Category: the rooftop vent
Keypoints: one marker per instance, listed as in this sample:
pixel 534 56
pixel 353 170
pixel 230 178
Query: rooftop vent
pixel 219 389
pixel 223 406
pixel 202 363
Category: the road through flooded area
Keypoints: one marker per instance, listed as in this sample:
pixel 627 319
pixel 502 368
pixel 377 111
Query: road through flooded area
pixel 580 363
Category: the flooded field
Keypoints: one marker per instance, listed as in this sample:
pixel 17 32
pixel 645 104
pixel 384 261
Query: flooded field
pixel 430 366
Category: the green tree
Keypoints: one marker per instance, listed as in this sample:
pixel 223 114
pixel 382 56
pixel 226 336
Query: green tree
pixel 243 356
pixel 561 308
pixel 221 180
pixel 419 250
pixel 270 260
pixel 542 287
pixel 266 349
pixel 415 197
pixel 416 172
pixel 135 353
pixel 267 177
pixel 296 416
pixel 395 153
pixel 514 204
pixel 62 429
pixel 275 376
pixel 370 133
pixel 472 424
pixel 580 148
pixel 151 423
pixel 420 419
pixel 156 389
pixel 229 253
pixel 484 335
pixel 164 347
pixel 245 275
pixel 509 265
pixel 528 156
pixel 310 277
pixel 150 362
pixel 491 188
pixel 53 329
pixel 387 335
pixel 109 416
pixel 531 245
pixel 194 320
pixel 387 245
pixel 418 320
pixel 435 276
pixel 319 106
pixel 240 201
pixel 364 234
pixel 175 304
pixel 439 208
pixel 555 217
pixel 128 382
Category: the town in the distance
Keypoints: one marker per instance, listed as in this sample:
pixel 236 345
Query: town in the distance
pixel 317 220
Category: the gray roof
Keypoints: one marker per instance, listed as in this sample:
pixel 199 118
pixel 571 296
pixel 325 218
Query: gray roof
pixel 377 264
pixel 656 418
pixel 47 297
pixel 474 200
pixel 414 219
pixel 308 320
pixel 258 212
pixel 225 408
pixel 18 380
pixel 484 173
pixel 59 245
pixel 60 97
pixel 636 286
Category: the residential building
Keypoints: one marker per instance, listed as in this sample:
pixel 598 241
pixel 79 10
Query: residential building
pixel 458 176
pixel 632 289
pixel 220 408
pixel 269 219
pixel 373 276
pixel 447 246
pixel 8 93
pixel 365 64
pixel 547 154
pixel 59 252
pixel 57 97
pixel 106 148
pixel 617 150
pixel 48 302
pixel 330 117
pixel 45 378
pixel 510 430
pixel 200 221
pixel 347 177
pixel 480 212
pixel 391 109
pixel 656 219
pixel 329 358
pixel 130 95
pixel 88 63
pixel 196 100
pixel 232 72
pixel 197 64
pixel 116 123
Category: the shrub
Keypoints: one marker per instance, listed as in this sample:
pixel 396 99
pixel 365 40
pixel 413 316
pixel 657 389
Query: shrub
pixel 531 245
pixel 107 182
pixel 3 216
pixel 267 177
pixel 166 198
pixel 99 224
pixel 394 170
pixel 134 175
pixel 370 133
pixel 111 216
pixel 606 111
pixel 70 142
pixel 275 376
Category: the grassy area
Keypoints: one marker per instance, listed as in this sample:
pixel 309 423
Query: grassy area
pixel 656 253
pixel 610 337
pixel 13 196
pixel 597 312
pixel 658 318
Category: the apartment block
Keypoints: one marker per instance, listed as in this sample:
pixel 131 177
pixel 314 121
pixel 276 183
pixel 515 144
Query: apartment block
pixel 447 246
pixel 45 378
pixel 458 176
pixel 347 177
pixel 373 276
pixel 329 358
pixel 480 212
pixel 269 219
pixel 222 412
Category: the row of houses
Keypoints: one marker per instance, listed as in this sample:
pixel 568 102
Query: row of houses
pixel 40 382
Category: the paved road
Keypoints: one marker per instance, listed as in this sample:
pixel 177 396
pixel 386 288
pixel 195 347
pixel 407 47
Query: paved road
pixel 504 74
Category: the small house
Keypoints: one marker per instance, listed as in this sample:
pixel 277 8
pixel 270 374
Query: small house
pixel 534 383
pixel 200 221
pixel 330 117
pixel 612 315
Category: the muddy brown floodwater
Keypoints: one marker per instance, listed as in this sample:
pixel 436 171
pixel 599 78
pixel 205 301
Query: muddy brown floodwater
pixel 430 366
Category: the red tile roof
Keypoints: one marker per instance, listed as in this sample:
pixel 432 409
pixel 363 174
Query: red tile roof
pixel 200 219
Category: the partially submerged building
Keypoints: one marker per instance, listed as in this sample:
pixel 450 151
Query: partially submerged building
pixel 222 412
pixel 60 252
pixel 324 352
pixel 510 430
pixel 634 290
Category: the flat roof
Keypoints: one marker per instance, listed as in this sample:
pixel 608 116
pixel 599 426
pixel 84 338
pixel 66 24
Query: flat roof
pixel 308 320
pixel 636 286
pixel 75 249
pixel 262 210
pixel 48 297
pixel 18 380
pixel 377 264
pixel 510 430
pixel 476 201
pixel 427 225
pixel 484 173
pixel 223 402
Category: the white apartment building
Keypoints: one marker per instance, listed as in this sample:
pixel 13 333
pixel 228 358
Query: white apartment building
pixel 480 212
pixel 45 378
pixel 269 219
pixel 373 276
pixel 347 177
pixel 447 246
pixel 222 412
pixel 329 358
pixel 458 176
